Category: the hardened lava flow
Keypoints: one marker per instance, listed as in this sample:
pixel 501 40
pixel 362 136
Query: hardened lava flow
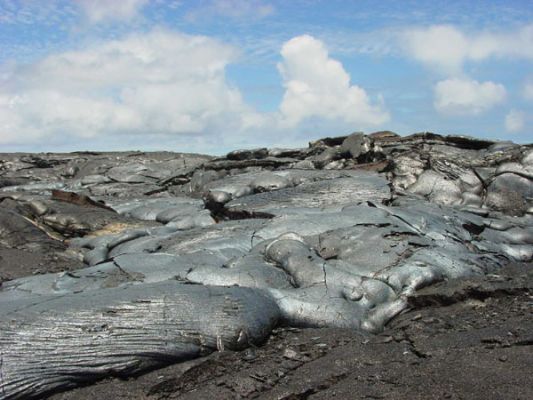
pixel 114 264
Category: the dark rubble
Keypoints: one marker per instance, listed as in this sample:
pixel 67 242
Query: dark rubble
pixel 113 264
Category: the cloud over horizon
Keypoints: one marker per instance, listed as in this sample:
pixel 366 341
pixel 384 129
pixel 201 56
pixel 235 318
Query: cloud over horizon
pixel 447 48
pixel 169 84
pixel 317 85
pixel 260 72
pixel 467 97
pixel 161 82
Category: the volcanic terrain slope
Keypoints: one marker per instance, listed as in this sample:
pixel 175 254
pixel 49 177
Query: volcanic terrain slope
pixel 407 258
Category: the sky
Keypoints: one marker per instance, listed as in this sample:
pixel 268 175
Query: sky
pixel 210 76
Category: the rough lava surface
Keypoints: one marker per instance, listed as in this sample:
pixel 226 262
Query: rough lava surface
pixel 116 264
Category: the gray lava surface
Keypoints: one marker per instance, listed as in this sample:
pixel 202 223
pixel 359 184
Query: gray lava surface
pixel 363 266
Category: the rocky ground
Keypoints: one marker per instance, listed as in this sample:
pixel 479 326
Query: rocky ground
pixel 430 236
pixel 467 339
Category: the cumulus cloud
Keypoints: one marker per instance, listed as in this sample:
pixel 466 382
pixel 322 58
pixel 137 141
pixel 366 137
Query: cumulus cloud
pixel 101 10
pixel 170 86
pixel 515 121
pixel 161 82
pixel 318 86
pixel 447 48
pixel 467 97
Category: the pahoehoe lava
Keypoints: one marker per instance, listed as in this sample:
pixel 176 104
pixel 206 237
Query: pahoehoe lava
pixel 113 264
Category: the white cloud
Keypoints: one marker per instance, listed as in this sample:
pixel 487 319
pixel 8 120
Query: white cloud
pixel 441 46
pixel 156 83
pixel 515 121
pixel 318 86
pixel 101 10
pixel 447 48
pixel 467 97
pixel 171 88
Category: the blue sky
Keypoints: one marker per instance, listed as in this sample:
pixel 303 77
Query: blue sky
pixel 214 75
